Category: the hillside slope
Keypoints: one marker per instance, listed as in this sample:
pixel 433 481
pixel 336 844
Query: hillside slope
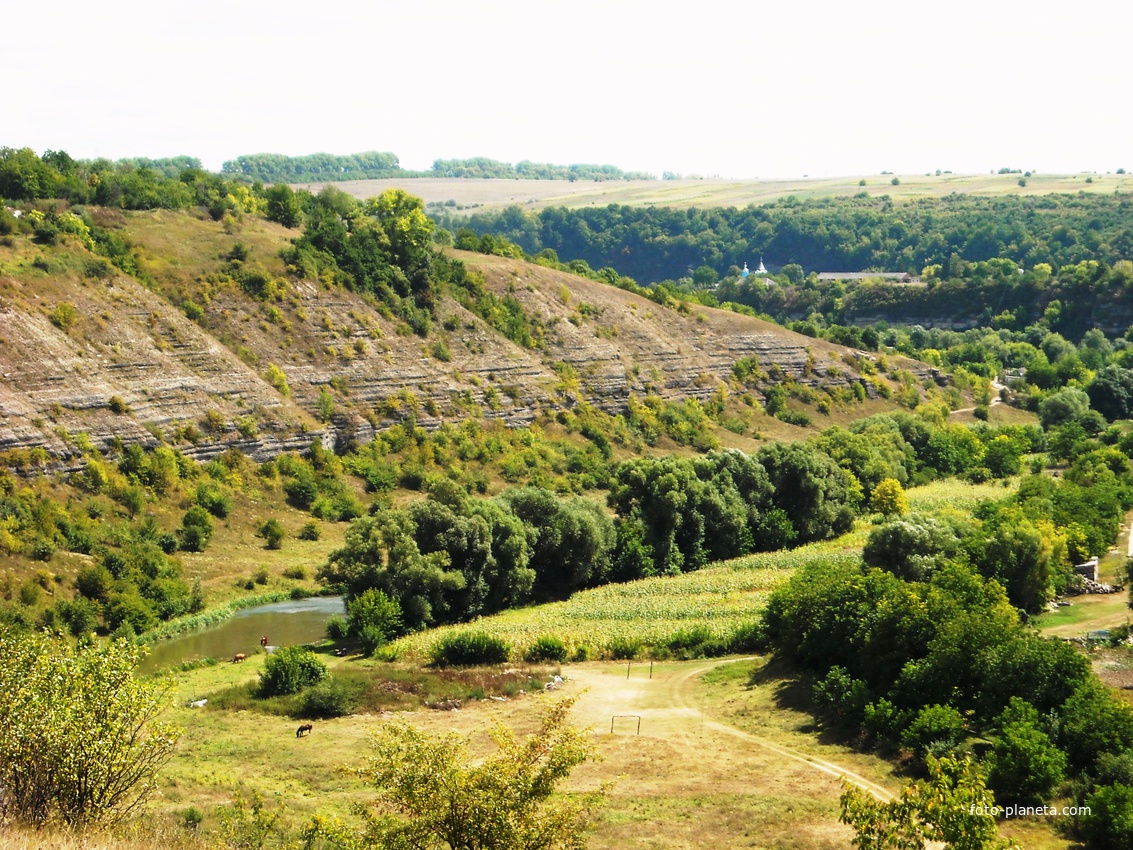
pixel 86 348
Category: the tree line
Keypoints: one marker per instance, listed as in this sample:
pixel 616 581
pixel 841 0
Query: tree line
pixel 481 167
pixel 823 234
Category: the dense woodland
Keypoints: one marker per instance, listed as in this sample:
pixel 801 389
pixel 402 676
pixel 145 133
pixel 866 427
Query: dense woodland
pixel 854 234
pixel 922 645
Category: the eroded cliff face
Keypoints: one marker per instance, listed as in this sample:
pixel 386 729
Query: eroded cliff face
pixel 130 365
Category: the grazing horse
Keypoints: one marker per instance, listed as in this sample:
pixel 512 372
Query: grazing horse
pixel 306 727
pixel 238 657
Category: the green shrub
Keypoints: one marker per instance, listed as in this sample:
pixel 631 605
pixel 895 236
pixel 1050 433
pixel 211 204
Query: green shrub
pixel 272 532
pixel 624 649
pixel 196 529
pixel 546 648
pixel 338 628
pixel 297 573
pixel 213 499
pixel 936 730
pixel 332 697
pixel 467 649
pixel 290 669
pixel 310 531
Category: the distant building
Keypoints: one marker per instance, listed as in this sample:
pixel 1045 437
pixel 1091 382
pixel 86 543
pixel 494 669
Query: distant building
pixel 759 271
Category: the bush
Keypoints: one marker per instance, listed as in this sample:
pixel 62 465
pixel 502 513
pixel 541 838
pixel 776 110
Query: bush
pixel 332 697
pixel 272 532
pixel 290 669
pixel 338 628
pixel 196 529
pixel 1110 821
pixel 468 649
pixel 624 649
pixel 296 573
pixel 546 648
pixel 64 709
pixel 935 730
pixel 310 531
pixel 213 499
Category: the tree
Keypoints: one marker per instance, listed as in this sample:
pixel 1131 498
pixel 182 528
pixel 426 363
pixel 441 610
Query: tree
pixel 912 547
pixel 433 794
pixel 1025 764
pixel 283 205
pixel 82 743
pixel 1111 392
pixel 888 498
pixel 374 618
pixel 1067 405
pixel 953 806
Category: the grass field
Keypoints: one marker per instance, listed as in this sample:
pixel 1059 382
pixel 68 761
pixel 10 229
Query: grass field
pixel 535 194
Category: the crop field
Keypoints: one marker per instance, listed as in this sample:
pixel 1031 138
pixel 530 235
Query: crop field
pixel 475 194
pixel 720 598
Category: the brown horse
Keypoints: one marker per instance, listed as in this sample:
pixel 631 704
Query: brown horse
pixel 306 727
pixel 238 657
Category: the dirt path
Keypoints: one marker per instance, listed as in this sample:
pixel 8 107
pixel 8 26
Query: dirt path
pixel 665 704
pixel 681 687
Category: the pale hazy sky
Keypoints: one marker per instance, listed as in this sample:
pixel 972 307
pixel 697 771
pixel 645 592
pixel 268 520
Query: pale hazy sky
pixel 731 89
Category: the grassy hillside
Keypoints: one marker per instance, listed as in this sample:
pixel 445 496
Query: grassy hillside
pixel 215 342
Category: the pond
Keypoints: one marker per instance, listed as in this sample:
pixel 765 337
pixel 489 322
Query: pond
pixel 294 621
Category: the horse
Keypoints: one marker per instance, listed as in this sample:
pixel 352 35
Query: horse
pixel 306 727
pixel 238 657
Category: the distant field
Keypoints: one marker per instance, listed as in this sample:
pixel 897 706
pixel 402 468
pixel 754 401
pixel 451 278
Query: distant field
pixel 535 194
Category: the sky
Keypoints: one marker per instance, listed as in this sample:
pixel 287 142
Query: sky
pixel 735 90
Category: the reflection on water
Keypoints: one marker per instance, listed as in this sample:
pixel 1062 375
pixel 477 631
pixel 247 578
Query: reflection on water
pixel 293 621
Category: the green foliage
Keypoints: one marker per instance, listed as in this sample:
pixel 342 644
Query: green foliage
pixel 332 697
pixel 1109 825
pixel 196 529
pixel 888 498
pixel 546 648
pixel 912 547
pixel 1025 765
pixel 310 531
pixel 64 316
pixel 936 731
pixel 82 742
pixel 272 532
pixel 433 793
pixel 313 168
pixel 469 649
pixel 373 619
pixel 277 379
pixel 953 807
pixel 248 823
pixel 283 205
pixel 290 669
